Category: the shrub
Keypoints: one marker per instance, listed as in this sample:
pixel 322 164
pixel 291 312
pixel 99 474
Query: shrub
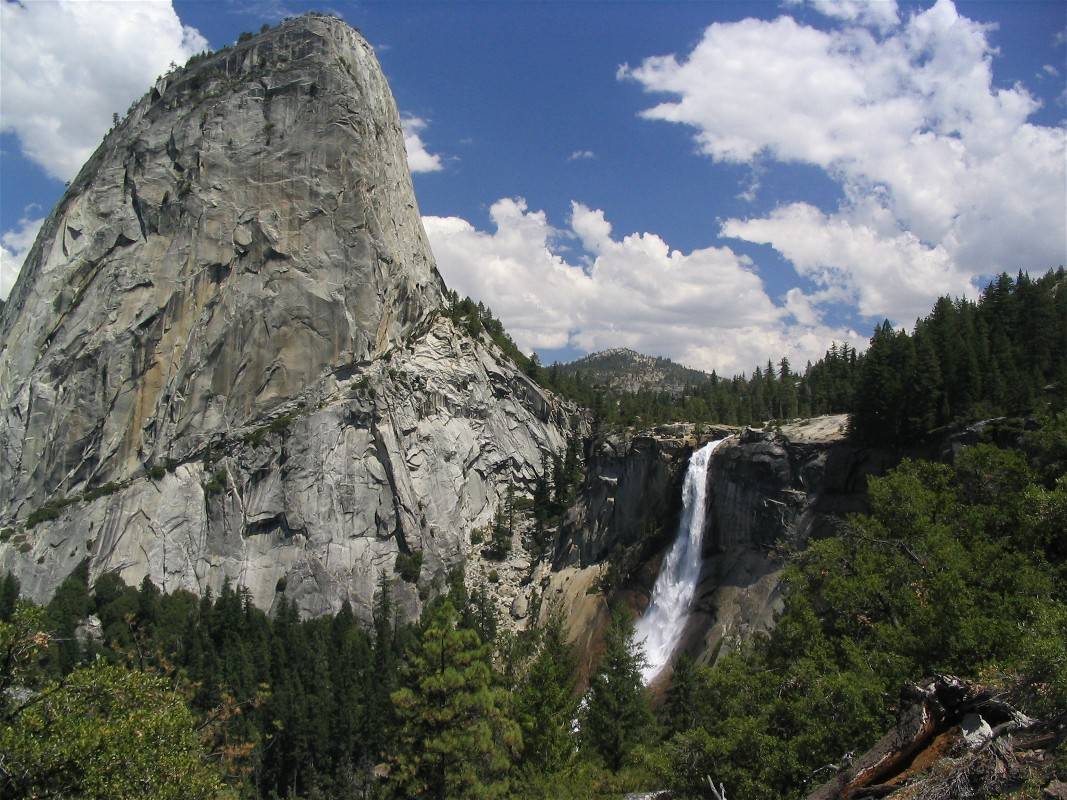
pixel 49 511
pixel 494 576
pixel 408 566
pixel 101 491
pixel 157 472
pixel 217 484
pixel 477 537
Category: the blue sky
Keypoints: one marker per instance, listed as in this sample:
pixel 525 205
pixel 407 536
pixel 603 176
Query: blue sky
pixel 716 182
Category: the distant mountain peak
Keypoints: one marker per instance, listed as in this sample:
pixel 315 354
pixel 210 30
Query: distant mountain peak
pixel 624 370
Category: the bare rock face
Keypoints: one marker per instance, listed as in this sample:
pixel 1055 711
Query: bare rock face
pixel 766 488
pixel 225 358
pixel 770 491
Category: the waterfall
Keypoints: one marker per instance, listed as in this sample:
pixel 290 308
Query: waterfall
pixel 661 626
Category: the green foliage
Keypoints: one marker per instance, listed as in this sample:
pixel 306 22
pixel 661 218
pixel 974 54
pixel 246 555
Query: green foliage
pixel 503 528
pixel 679 710
pixel 1004 354
pixel 104 490
pixel 216 484
pixel 475 319
pixel 617 713
pixel 455 737
pixel 545 702
pixel 9 595
pixel 106 732
pixel 408 566
pixel 49 511
pixel 278 426
pixel 101 732
pixel 956 569
pixel 281 424
pixel 769 392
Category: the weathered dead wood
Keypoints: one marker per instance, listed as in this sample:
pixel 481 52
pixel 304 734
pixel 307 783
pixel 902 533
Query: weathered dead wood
pixel 720 793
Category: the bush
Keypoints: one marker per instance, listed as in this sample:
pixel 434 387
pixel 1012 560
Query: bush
pixel 217 484
pixel 477 537
pixel 157 472
pixel 408 566
pixel 101 491
pixel 494 576
pixel 49 511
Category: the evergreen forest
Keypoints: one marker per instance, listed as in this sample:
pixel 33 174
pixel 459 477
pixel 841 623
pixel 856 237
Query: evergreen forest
pixel 958 568
pixel 1002 354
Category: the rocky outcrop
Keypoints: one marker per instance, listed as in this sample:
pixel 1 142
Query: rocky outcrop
pixel 224 357
pixel 632 491
pixel 249 226
pixel 770 491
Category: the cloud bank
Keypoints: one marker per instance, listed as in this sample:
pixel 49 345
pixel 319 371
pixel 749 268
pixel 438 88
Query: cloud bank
pixel 66 67
pixel 707 308
pixel 945 179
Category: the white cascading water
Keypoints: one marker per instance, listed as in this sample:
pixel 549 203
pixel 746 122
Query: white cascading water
pixel 661 626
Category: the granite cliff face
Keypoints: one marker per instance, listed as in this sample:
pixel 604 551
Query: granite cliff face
pixel 225 358
pixel 631 493
pixel 768 491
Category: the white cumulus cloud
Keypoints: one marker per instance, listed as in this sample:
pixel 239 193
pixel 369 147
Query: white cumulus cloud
pixel 579 155
pixel 15 245
pixel 945 179
pixel 707 308
pixel 880 14
pixel 884 275
pixel 66 66
pixel 419 158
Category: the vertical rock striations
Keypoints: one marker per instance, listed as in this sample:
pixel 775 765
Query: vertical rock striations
pixel 770 493
pixel 225 355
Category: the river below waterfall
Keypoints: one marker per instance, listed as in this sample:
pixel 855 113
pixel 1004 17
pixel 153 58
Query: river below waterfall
pixel 660 628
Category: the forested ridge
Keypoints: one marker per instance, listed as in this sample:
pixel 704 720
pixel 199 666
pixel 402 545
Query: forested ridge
pixel 1002 354
pixel 959 567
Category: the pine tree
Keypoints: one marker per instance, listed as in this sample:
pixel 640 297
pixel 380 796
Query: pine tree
pixel 384 669
pixel 546 702
pixel 9 595
pixel 67 609
pixel 504 524
pixel 617 712
pixel 680 709
pixel 455 739
pixel 925 392
pixel 788 405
